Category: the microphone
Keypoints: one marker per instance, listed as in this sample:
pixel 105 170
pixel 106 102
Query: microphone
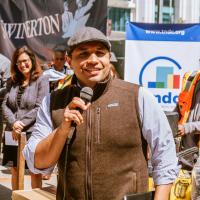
pixel 86 95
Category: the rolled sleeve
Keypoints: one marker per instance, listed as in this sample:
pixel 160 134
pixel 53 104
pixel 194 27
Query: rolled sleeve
pixel 158 134
pixel 42 128
pixel 29 154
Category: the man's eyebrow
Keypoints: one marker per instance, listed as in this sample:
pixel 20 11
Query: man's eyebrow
pixel 102 48
pixel 82 48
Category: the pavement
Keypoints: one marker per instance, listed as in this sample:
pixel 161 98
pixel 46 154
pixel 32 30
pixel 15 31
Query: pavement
pixel 5 182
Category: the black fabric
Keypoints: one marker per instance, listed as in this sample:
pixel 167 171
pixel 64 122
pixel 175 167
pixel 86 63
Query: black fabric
pixel 19 94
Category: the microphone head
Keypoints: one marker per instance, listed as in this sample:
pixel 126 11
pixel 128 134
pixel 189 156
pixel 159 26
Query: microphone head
pixel 86 94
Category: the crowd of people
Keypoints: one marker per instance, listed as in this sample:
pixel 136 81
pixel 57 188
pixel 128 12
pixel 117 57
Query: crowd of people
pixel 100 146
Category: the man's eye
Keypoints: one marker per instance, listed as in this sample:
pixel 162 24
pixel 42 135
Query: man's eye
pixel 100 53
pixel 83 55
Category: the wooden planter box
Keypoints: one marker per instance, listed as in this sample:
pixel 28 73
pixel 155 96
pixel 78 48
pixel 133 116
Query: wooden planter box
pixel 40 194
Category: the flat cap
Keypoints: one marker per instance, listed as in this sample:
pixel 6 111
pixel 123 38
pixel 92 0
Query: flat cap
pixel 87 34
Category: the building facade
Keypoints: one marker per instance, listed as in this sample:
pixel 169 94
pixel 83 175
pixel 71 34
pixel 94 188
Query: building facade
pixel 146 11
pixel 152 11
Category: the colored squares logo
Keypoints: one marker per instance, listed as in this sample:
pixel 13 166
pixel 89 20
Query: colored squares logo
pixel 165 78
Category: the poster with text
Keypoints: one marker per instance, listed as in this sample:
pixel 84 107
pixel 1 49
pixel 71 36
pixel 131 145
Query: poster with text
pixel 45 25
pixel 158 55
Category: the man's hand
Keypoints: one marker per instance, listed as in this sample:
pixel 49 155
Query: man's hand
pixel 72 112
pixel 181 130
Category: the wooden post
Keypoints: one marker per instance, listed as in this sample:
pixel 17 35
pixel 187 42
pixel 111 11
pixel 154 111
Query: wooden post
pixel 20 161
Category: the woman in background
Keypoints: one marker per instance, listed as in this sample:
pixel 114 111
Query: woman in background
pixel 25 91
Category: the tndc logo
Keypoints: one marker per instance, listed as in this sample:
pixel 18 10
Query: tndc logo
pixel 161 73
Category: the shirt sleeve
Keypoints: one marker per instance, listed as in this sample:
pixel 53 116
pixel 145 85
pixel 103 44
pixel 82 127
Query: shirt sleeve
pixel 42 128
pixel 7 113
pixel 193 123
pixel 158 134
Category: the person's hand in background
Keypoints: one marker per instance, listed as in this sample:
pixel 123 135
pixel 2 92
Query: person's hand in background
pixel 17 129
pixel 181 130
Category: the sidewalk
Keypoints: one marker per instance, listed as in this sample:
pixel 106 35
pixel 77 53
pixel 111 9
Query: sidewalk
pixel 5 182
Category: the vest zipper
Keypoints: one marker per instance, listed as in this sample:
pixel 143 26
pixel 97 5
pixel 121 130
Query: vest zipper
pixel 98 112
pixel 88 157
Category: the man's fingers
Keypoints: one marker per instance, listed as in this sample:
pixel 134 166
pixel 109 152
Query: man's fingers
pixel 73 115
pixel 73 111
pixel 77 103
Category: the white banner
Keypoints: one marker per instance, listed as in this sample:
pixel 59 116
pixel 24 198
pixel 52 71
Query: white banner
pixel 157 56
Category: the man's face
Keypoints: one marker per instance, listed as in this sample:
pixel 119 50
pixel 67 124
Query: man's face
pixel 59 60
pixel 91 63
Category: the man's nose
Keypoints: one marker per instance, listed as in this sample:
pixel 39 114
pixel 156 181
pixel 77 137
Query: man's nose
pixel 93 58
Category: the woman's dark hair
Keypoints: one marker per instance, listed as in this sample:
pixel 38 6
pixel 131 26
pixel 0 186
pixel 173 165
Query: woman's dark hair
pixel 16 75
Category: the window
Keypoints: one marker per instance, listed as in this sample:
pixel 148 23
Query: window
pixel 167 11
pixel 118 17
pixel 166 2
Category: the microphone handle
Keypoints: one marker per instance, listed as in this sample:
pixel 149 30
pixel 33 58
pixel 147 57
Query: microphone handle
pixel 71 133
pixel 72 129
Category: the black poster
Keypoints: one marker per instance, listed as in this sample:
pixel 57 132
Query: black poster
pixel 44 24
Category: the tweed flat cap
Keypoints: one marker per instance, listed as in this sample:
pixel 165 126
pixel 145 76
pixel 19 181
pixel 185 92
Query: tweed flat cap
pixel 87 34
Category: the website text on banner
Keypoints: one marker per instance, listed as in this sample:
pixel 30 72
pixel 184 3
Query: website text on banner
pixel 158 55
